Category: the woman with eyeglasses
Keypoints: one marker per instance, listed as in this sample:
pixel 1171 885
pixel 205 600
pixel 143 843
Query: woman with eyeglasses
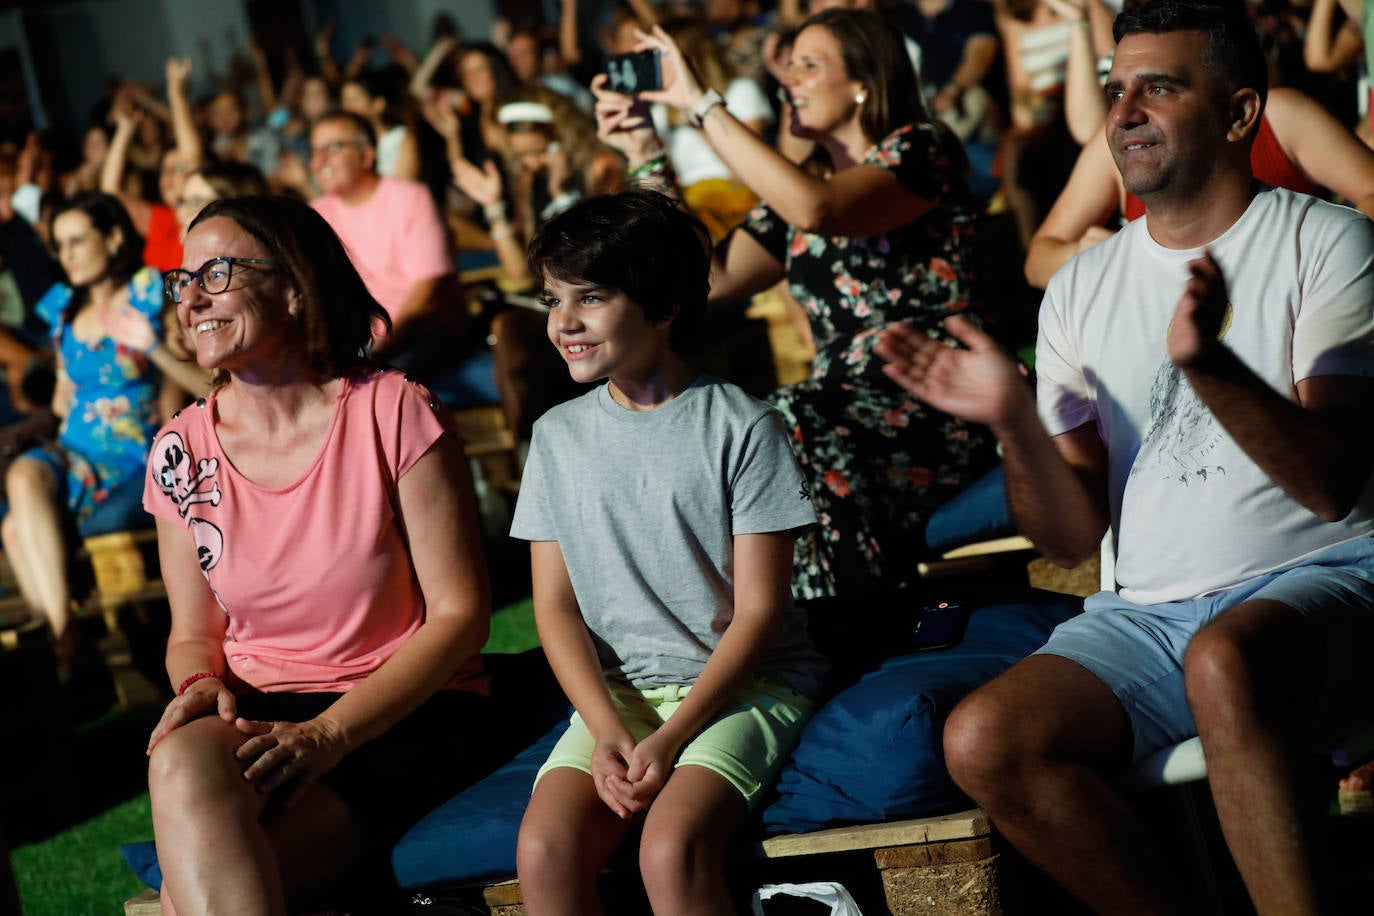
pixel 319 544
pixel 106 332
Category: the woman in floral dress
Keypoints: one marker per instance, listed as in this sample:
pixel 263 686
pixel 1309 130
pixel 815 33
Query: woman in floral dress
pixel 106 327
pixel 875 227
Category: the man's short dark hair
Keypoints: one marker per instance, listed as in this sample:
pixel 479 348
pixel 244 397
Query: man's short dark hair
pixel 362 125
pixel 639 242
pixel 1232 54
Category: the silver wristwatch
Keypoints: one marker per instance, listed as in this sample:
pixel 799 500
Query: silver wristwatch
pixel 709 99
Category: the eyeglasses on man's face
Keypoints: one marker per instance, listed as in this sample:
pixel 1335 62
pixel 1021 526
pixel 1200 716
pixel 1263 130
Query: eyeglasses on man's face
pixel 334 147
pixel 213 276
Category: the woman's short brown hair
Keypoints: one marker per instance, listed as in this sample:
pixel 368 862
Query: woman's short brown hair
pixel 338 316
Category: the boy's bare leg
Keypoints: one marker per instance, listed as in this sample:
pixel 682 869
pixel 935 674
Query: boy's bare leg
pixel 1030 747
pixel 566 837
pixel 1253 675
pixel 682 851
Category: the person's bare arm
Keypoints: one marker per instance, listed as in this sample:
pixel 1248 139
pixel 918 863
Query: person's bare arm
pixel 1321 147
pixel 267 93
pixel 423 77
pixel 1056 485
pixel 399 54
pixel 325 54
pixel 1325 52
pixel 1075 221
pixel 568 45
pixel 435 498
pixel 424 299
pixel 190 150
pixel 408 158
pixel 860 200
pixel 572 656
pixel 116 159
pixel 63 391
pixel 484 185
pixel 1018 80
pixel 1085 105
pixel 1317 448
pixel 974 63
pixel 740 267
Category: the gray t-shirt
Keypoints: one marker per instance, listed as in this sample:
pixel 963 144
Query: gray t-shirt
pixel 644 506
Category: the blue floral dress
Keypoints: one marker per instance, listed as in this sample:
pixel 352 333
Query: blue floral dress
pixel 878 460
pixel 103 442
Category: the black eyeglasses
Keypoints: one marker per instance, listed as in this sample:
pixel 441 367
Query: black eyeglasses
pixel 213 276
pixel 334 146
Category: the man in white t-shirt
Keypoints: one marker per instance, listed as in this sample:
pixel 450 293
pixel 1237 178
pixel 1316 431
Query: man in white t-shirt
pixel 1204 394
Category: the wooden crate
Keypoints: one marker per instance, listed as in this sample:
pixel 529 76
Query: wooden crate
pixel 942 865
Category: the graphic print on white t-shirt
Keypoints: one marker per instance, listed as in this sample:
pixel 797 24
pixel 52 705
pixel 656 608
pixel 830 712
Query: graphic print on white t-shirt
pixel 1183 434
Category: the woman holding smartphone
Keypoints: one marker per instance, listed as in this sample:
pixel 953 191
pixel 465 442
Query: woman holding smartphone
pixel 876 226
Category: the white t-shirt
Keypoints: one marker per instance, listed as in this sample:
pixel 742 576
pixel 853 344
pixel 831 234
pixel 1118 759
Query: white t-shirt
pixel 690 152
pixel 1191 513
pixel 389 150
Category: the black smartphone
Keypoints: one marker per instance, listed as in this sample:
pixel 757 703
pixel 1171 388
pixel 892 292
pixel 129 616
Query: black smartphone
pixel 939 626
pixel 639 71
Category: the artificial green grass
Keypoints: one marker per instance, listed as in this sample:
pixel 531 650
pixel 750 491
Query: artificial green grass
pixel 79 872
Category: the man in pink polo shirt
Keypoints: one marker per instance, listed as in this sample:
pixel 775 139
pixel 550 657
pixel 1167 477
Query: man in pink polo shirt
pixel 395 237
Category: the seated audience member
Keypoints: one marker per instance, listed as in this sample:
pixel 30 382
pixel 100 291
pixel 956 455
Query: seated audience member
pixel 557 160
pixel 378 96
pixel 330 689
pixel 661 507
pixel 155 220
pixel 26 269
pixel 233 138
pixel 1297 145
pixel 526 53
pixel 709 189
pixel 1204 394
pixel 958 42
pixel 392 231
pixel 1038 151
pixel 880 230
pixel 26 274
pixel 1328 51
pixel 486 82
pixel 107 396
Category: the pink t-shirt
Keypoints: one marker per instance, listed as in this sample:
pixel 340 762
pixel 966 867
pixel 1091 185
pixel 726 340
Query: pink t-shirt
pixel 395 238
pixel 316 578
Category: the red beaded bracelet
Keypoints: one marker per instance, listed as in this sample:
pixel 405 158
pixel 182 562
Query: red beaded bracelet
pixel 198 676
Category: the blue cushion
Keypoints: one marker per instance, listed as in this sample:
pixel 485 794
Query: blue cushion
pixel 142 860
pixel 979 513
pixel 895 715
pixel 472 836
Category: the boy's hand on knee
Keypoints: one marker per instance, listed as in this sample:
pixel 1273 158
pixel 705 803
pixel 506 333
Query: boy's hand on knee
pixel 610 766
pixel 649 769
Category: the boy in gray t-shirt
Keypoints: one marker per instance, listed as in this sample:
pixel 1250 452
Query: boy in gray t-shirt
pixel 661 507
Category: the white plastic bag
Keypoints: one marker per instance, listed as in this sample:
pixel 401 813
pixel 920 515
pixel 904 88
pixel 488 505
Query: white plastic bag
pixel 841 904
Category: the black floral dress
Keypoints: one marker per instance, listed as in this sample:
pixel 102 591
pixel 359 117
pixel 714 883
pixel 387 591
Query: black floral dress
pixel 878 461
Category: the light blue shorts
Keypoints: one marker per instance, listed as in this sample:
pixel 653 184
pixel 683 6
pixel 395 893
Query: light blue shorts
pixel 746 743
pixel 1137 650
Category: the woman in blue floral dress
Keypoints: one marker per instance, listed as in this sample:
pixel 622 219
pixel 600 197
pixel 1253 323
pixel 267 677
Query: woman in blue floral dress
pixel 105 323
pixel 876 227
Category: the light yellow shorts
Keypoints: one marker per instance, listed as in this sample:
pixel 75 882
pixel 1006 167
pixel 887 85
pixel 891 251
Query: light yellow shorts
pixel 746 743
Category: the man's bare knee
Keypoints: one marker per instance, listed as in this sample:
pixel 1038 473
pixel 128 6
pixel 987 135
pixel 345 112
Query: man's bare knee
pixel 1261 656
